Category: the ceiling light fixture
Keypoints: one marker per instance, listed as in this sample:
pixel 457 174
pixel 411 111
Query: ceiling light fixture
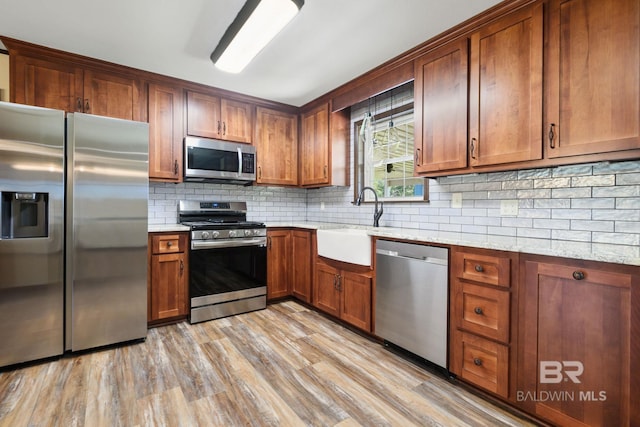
pixel 255 25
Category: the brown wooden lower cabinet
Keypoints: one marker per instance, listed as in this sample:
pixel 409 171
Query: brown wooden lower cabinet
pixel 579 335
pixel 302 242
pixel 481 311
pixel 289 255
pixel 278 263
pixel 168 277
pixel 344 291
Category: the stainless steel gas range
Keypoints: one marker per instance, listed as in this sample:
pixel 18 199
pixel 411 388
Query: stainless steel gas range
pixel 227 259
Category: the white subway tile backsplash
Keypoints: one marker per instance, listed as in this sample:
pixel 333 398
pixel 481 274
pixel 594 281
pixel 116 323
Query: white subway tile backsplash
pixel 552 183
pixel 576 209
pixel 593 181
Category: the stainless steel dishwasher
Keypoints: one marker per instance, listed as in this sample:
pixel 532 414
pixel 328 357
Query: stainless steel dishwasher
pixel 412 298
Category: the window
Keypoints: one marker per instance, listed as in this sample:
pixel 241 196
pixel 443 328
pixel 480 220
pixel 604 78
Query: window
pixel 384 152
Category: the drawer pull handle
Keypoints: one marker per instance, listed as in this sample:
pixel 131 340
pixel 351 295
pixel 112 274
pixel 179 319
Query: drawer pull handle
pixel 578 275
pixel 477 361
pixel 169 244
pixel 479 268
pixel 478 310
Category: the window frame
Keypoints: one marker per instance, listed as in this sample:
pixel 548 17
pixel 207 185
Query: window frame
pixel 358 169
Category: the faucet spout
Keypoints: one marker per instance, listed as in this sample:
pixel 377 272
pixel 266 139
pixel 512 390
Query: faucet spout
pixel 377 213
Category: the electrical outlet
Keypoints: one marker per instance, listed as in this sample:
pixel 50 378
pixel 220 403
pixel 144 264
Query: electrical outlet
pixel 321 206
pixel 509 208
pixel 456 200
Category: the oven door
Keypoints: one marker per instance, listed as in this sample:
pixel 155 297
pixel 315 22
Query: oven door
pixel 227 275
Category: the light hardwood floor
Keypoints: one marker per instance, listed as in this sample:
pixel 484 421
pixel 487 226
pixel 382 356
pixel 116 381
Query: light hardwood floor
pixel 285 365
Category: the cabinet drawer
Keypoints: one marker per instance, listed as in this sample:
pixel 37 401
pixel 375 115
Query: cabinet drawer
pixel 483 311
pixel 166 244
pixel 487 269
pixel 485 363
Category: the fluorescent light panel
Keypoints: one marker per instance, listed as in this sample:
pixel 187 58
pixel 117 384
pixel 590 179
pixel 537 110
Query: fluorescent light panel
pixel 255 25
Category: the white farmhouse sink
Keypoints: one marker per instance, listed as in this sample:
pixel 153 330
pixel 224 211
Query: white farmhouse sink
pixel 351 245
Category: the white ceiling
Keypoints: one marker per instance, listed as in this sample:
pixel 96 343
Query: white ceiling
pixel 329 43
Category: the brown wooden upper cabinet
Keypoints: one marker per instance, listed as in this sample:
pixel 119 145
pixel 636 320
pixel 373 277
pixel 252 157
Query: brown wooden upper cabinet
pixel 441 102
pixel 324 147
pixel 505 97
pixel 315 148
pixel 67 86
pixel 165 132
pixel 210 116
pixel 276 147
pixel 592 77
pixel 493 82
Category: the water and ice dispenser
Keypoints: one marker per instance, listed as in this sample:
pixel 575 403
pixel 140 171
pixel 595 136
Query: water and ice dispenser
pixel 24 215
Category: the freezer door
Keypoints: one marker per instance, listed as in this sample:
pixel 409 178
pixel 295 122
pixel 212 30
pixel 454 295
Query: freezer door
pixel 107 194
pixel 31 241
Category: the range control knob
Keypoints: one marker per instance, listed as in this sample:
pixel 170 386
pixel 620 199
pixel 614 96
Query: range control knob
pixel 233 233
pixel 204 235
pixel 256 232
pixel 215 234
pixel 247 233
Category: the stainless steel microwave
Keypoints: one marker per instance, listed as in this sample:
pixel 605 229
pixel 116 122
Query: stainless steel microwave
pixel 212 160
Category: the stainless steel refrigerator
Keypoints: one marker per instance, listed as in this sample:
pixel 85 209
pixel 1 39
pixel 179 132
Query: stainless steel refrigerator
pixel 73 242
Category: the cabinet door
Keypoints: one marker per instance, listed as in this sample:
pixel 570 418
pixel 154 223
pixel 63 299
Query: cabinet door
pixel 165 132
pixel 203 115
pixel 111 95
pixel 237 121
pixel 593 75
pixel 278 256
pixel 315 147
pixel 356 299
pixel 168 286
pixel 577 336
pixel 326 295
pixel 441 104
pixel 277 147
pixel 505 98
pixel 47 84
pixel 301 281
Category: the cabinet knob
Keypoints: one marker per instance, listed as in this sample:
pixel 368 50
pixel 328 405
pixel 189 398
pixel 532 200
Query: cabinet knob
pixel 478 310
pixel 169 244
pixel 578 275
pixel 479 268
pixel 477 361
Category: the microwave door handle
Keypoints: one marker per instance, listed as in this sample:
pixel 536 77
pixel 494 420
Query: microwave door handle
pixel 239 161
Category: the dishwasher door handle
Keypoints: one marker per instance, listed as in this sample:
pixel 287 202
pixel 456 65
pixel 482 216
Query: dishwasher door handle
pixel 428 260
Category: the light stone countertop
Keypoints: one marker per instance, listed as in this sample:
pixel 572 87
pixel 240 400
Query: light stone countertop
pixel 558 248
pixel 163 228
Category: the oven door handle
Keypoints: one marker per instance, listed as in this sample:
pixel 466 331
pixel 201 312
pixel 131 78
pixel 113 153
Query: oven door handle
pixel 215 244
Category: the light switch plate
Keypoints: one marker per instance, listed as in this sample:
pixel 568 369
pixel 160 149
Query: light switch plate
pixel 456 200
pixel 509 208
